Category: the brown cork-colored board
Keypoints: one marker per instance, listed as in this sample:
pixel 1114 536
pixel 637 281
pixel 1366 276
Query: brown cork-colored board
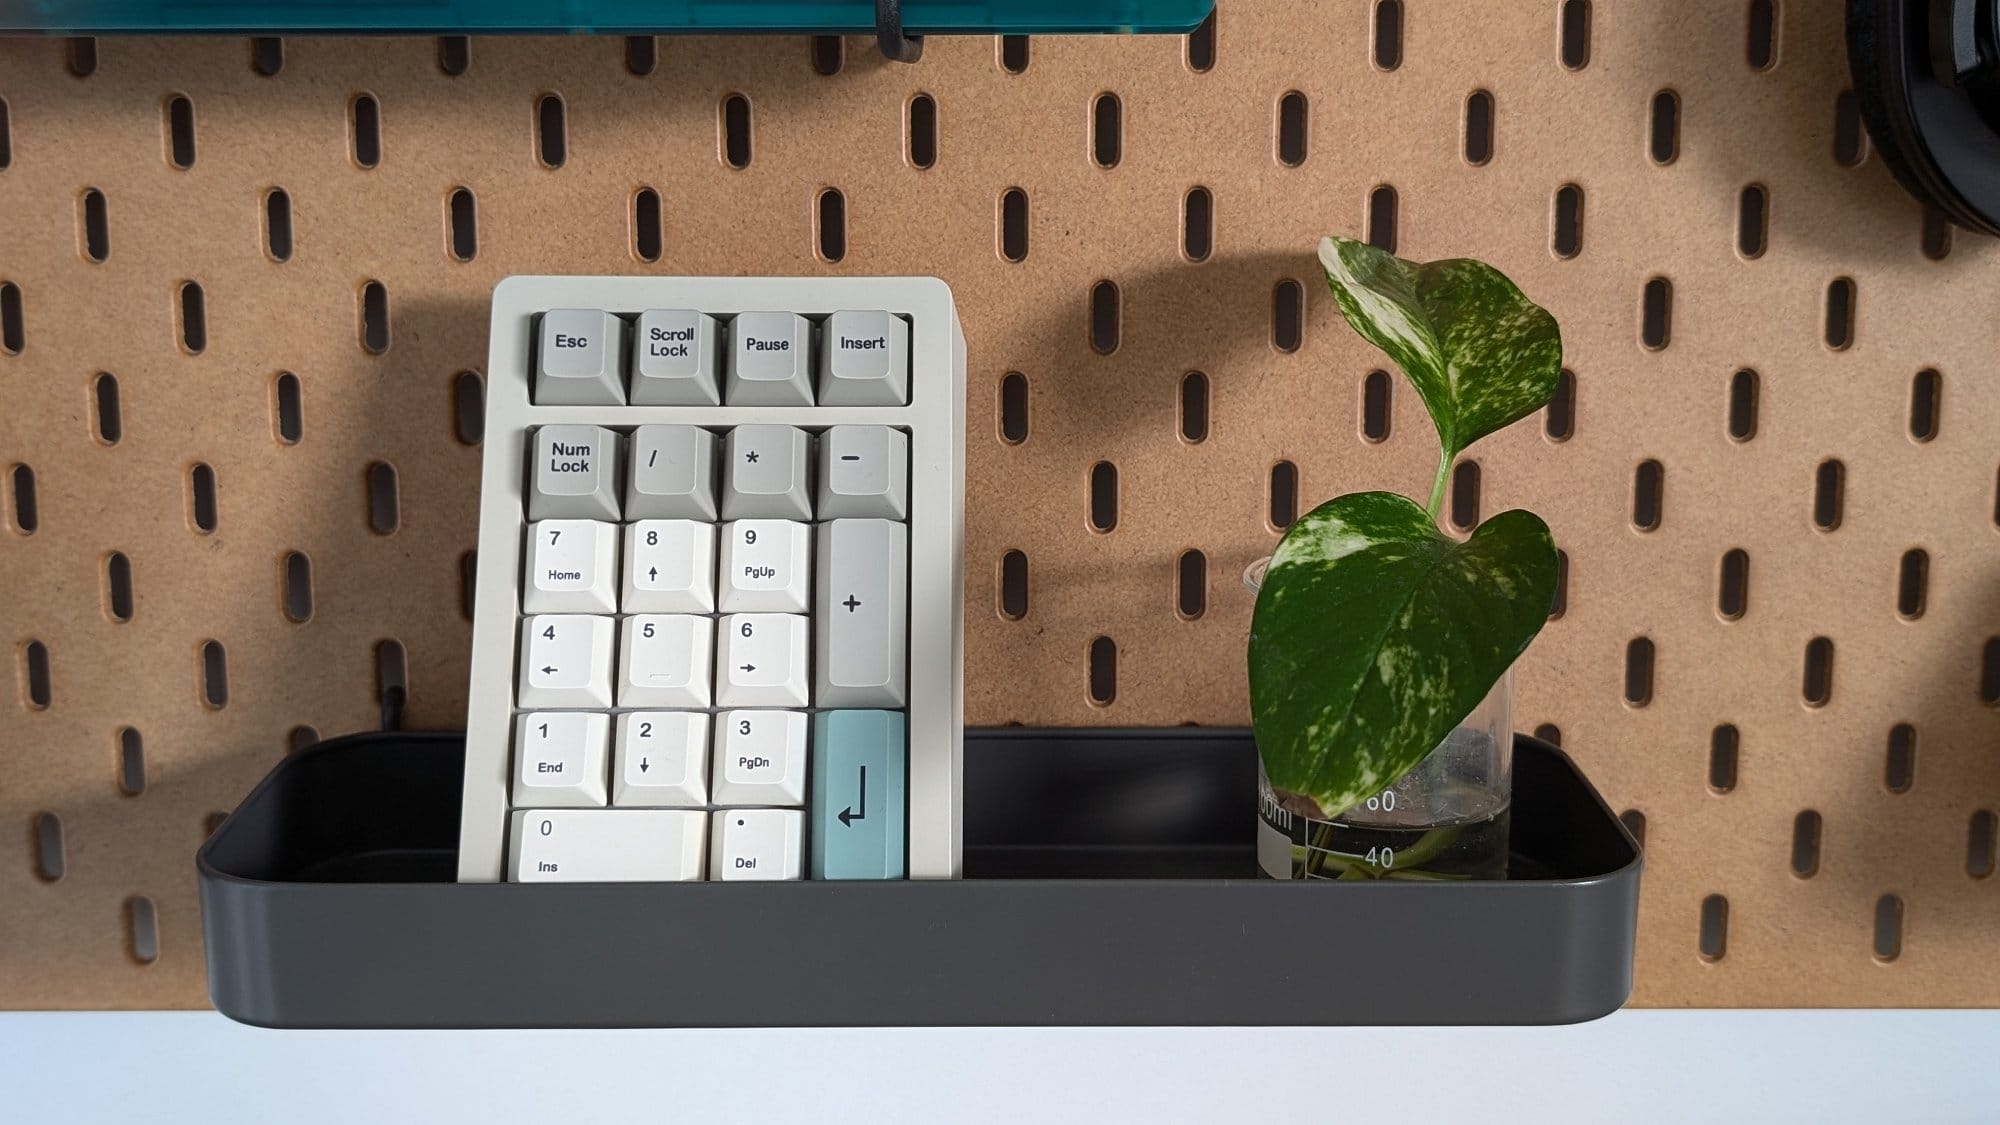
pixel 1773 476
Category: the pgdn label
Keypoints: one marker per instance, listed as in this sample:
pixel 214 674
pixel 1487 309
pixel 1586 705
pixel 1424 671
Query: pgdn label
pixel 753 763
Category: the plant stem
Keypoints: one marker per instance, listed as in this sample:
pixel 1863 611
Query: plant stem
pixel 1437 486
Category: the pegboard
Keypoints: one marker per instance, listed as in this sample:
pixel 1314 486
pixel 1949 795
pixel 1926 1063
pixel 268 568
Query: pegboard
pixel 243 315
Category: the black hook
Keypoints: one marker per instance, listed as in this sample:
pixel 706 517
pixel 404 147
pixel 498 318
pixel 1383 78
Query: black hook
pixel 896 46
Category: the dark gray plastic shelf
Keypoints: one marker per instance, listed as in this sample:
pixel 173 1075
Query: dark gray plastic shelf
pixel 1110 881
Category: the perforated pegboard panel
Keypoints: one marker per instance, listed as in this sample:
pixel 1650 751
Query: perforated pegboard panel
pixel 1661 185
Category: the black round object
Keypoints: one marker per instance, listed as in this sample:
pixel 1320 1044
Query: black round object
pixel 1930 131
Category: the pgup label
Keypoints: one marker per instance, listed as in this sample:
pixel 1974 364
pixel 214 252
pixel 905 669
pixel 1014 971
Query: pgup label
pixel 760 572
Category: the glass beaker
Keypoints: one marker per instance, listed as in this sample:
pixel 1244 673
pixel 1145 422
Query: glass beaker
pixel 1446 819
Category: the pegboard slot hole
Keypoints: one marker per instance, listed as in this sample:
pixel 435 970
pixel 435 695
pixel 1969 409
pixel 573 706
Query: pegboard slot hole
pixel 1899 763
pixel 1549 733
pixel 1639 659
pixel 551 130
pixel 27 510
pixel 1980 844
pixel 392 669
pixel 1014 225
pixel 1805 844
pixel 1732 598
pixel 1850 139
pixel 80 56
pixel 1840 297
pixel 1103 496
pixel 1014 408
pixel 374 318
pixel 1377 406
pixel 131 762
pixel 1648 495
pixel 1104 317
pixel 1559 601
pixel 1753 214
pixel 212 822
pixel 1293 117
pixel 829 54
pixel 6 136
pixel 13 332
pixel 1762 49
pixel 203 509
pixel 180 132
pixel 1479 128
pixel 96 226
pixel 1288 315
pixel 1725 743
pixel 1936 240
pixel 298 587
pixel 365 130
pixel 1197 224
pixel 1888 928
pixel 1201 46
pixel 831 222
pixel 1989 672
pixel 1574 34
pixel 286 408
pixel 1103 672
pixel 1926 401
pixel 736 139
pixel 642 55
pixel 1656 314
pixel 35 671
pixel 922 133
pixel 384 502
pixel 267 55
pixel 462 225
pixel 1829 494
pixel 648 225
pixel 278 225
pixel 454 54
pixel 193 318
pixel 142 929
pixel 1635 823
pixel 1912 583
pixel 118 586
pixel 1194 407
pixel 468 583
pixel 1388 34
pixel 109 419
pixel 1465 495
pixel 468 397
pixel 1192 599
pixel 1107 129
pixel 1566 226
pixel 1014 585
pixel 1714 939
pixel 1816 686
pixel 1559 418
pixel 1664 142
pixel 214 675
pixel 50 858
pixel 1283 501
pixel 1014 53
pixel 1743 405
pixel 1382 218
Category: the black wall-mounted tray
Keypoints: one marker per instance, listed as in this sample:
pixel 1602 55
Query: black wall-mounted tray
pixel 1111 880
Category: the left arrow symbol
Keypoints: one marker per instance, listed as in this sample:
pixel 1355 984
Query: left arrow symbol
pixel 548 671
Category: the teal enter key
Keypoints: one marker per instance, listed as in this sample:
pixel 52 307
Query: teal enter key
pixel 857 795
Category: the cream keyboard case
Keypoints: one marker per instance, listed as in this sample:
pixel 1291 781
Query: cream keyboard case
pixel 718 625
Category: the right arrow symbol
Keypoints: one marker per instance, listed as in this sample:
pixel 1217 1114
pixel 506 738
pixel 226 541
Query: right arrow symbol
pixel 847 815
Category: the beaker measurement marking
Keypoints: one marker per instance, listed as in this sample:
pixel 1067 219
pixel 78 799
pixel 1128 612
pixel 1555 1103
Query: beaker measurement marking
pixel 1384 801
pixel 1384 858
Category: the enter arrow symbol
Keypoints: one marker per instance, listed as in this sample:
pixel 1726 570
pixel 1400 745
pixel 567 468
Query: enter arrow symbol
pixel 847 815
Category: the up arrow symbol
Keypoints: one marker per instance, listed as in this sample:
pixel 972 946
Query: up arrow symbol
pixel 653 573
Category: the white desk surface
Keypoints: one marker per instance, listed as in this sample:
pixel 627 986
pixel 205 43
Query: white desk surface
pixel 1636 1066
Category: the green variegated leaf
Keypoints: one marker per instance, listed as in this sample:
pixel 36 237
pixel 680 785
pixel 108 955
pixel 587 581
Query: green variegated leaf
pixel 1375 634
pixel 1479 352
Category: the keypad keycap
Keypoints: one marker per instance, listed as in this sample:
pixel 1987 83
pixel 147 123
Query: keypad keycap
pixel 674 360
pixel 559 758
pixel 860 613
pixel 669 567
pixel 663 660
pixel 578 362
pixel 606 845
pixel 573 474
pixel 765 566
pixel 864 360
pixel 858 788
pixel 572 567
pixel 661 760
pixel 673 474
pixel 770 360
pixel 760 758
pixel 755 844
pixel 761 661
pixel 565 661
pixel 864 473
pixel 764 474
